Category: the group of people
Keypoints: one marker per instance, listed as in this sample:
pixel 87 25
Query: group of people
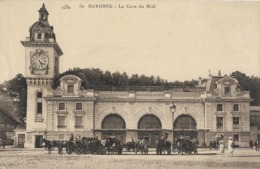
pixel 230 146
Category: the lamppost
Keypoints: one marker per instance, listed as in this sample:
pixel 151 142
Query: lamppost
pixel 45 134
pixel 172 109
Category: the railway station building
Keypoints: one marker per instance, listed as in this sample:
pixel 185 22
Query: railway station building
pixel 215 106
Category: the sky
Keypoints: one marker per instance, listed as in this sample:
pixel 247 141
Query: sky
pixel 177 40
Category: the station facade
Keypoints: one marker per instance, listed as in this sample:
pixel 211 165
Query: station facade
pixel 216 106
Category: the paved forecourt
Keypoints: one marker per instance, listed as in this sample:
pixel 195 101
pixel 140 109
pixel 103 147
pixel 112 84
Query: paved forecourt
pixel 25 158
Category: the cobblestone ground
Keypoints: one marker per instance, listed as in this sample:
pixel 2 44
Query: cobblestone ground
pixel 34 159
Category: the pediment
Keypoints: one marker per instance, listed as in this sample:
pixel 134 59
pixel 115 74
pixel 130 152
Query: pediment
pixel 227 81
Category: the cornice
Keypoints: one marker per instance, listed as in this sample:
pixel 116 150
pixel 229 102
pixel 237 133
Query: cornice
pixel 34 81
pixel 69 98
pixel 43 44
pixel 149 100
pixel 234 100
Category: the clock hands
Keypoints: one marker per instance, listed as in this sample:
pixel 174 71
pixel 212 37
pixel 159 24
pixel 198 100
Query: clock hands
pixel 41 63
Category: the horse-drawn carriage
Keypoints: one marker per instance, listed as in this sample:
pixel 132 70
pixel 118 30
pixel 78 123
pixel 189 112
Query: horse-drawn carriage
pixel 113 145
pixel 163 145
pixel 50 145
pixel 142 146
pixel 82 146
pixel 86 145
pixel 186 145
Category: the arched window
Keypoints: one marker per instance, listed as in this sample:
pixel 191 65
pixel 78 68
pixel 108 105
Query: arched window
pixel 185 122
pixel 149 122
pixel 113 121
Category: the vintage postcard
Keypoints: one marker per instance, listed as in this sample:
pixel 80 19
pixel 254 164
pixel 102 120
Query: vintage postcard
pixel 129 84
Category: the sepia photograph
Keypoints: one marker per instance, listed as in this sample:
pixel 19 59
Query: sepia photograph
pixel 128 84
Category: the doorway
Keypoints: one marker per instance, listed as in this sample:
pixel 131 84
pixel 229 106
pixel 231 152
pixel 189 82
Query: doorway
pixel 21 140
pixel 38 139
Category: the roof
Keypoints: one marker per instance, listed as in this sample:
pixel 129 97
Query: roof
pixel 43 9
pixel 149 88
pixel 211 83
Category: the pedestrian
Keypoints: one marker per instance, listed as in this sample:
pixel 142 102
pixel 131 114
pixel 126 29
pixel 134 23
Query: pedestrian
pixel 230 146
pixel 71 137
pixel 257 145
pixel 222 146
pixel 60 145
pixel 251 144
pixel 4 137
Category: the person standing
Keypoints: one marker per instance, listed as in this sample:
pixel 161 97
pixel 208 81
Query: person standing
pixel 4 137
pixel 251 144
pixel 222 146
pixel 230 146
pixel 257 145
pixel 71 137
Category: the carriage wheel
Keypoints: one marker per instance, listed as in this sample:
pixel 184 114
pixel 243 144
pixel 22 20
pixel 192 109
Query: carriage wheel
pixel 68 150
pixel 102 151
pixel 86 151
pixel 78 150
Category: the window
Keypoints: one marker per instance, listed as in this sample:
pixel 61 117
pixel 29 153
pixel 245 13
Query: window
pixel 236 137
pixel 78 121
pixel 235 122
pixel 61 121
pixel 62 106
pixel 39 108
pixel 39 105
pixel 79 106
pixel 219 123
pixel 227 90
pixel 39 36
pixel 235 107
pixel 70 88
pixel 219 107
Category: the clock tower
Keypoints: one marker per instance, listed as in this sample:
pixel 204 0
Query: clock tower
pixel 42 54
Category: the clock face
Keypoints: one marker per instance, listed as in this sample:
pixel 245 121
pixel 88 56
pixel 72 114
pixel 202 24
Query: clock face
pixel 39 61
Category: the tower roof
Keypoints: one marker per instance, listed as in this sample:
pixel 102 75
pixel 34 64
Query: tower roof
pixel 43 9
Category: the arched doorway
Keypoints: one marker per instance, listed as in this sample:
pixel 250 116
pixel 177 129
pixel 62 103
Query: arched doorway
pixel 114 125
pixel 185 125
pixel 149 125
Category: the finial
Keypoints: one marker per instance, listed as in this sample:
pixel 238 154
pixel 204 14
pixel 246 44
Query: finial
pixel 209 73
pixel 219 73
pixel 43 5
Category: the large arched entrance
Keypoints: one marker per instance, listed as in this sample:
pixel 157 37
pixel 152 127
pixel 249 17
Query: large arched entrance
pixel 185 125
pixel 150 126
pixel 115 127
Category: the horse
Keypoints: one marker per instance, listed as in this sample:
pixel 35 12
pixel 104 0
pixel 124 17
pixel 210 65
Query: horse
pixel 49 145
pixel 163 145
pixel 60 145
pixel 130 145
pixel 113 145
pixel 141 146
